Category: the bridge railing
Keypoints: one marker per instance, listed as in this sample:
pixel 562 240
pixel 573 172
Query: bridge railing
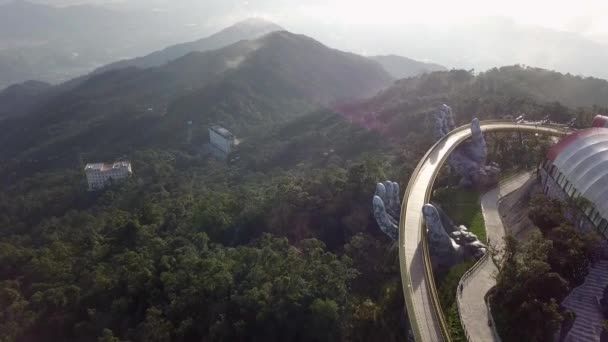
pixel 464 280
pixel 494 331
pixel 405 277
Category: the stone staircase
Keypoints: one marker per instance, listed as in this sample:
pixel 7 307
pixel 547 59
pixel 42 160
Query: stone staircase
pixel 584 301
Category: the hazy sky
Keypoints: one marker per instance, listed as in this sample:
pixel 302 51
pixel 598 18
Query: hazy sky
pixel 586 16
pixel 565 35
pixel 581 16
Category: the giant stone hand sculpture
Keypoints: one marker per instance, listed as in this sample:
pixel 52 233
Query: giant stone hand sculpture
pixel 444 121
pixel 469 159
pixel 445 252
pixel 386 206
pixel 448 244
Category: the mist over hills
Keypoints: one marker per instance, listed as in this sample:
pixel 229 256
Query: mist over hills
pixel 403 67
pixel 244 30
pixel 247 29
pixel 497 93
pixel 51 44
pixel 20 98
pixel 140 27
pixel 244 86
pixel 55 44
pixel 479 44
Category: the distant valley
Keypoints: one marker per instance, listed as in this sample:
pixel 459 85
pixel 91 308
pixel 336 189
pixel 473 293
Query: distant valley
pixel 55 44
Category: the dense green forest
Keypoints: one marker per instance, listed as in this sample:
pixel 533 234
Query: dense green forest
pixel 186 251
pixel 536 275
pixel 278 245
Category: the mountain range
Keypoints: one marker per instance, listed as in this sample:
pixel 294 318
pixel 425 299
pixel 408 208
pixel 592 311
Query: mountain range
pixel 55 44
pixel 403 67
pixel 277 242
pixel 20 98
pixel 243 86
pixel 248 86
pixel 245 30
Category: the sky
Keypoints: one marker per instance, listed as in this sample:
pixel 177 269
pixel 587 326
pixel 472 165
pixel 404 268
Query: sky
pixel 568 36
pixel 477 34
pixel 588 17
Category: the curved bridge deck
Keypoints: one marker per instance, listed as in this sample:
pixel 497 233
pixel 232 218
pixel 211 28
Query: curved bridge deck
pixel 422 301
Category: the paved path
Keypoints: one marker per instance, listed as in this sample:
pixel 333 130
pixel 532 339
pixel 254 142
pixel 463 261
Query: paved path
pixel 473 311
pixel 421 298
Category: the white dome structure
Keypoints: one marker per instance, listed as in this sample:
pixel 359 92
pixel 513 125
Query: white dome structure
pixel 578 164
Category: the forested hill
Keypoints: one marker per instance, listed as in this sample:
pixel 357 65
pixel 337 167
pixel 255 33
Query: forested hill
pixel 244 86
pixel 544 86
pixel 496 93
pixel 21 97
pixel 244 30
pixel 403 67
pixel 278 244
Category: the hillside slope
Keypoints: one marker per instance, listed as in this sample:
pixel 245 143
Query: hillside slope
pixel 20 98
pixel 244 30
pixel 244 86
pixel 500 92
pixel 16 68
pixel 265 245
pixel 403 67
pixel 286 71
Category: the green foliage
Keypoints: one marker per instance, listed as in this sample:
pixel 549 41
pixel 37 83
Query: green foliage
pixel 569 316
pixel 534 278
pixel 517 152
pixel 463 207
pixel 155 328
pixel 545 212
pixel 16 316
pixel 448 290
pixel 455 328
pixel 280 245
pixel 181 252
pixel 448 284
pixel 544 85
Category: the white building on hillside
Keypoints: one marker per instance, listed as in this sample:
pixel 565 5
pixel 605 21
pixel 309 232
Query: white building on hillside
pixel 100 174
pixel 221 139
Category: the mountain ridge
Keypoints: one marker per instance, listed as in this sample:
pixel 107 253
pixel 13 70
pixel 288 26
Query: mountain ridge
pixel 247 29
pixel 221 39
pixel 244 86
pixel 404 67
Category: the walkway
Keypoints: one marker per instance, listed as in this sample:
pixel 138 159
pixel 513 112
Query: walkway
pixel 473 310
pixel 421 298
